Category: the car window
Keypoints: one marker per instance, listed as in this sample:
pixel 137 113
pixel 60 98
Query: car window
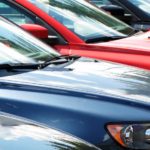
pixel 14 14
pixel 82 18
pixel 15 44
pixel 143 5
pixel 20 16
pixel 101 2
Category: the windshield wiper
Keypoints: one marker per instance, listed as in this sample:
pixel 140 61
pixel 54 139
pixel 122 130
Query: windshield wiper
pixel 19 66
pixel 59 60
pixel 104 39
pixel 25 66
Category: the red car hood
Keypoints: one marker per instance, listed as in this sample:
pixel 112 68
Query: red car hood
pixel 133 51
pixel 139 42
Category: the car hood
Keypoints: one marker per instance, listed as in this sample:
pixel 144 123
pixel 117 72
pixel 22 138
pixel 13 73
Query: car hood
pixel 20 132
pixel 91 77
pixel 138 42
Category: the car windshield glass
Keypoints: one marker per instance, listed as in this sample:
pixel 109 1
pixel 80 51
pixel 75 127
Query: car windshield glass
pixel 17 46
pixel 84 19
pixel 144 5
pixel 100 2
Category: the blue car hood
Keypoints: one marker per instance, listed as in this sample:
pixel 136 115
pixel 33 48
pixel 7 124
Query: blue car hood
pixel 91 77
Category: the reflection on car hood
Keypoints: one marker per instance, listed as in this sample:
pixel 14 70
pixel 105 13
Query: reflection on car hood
pixel 130 43
pixel 23 134
pixel 91 77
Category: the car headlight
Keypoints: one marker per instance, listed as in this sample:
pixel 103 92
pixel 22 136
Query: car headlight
pixel 133 136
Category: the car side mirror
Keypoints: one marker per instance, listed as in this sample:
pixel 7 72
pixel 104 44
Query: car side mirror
pixel 36 30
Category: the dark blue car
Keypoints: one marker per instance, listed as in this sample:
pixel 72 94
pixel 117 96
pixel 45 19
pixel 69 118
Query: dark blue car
pixel 18 133
pixel 104 103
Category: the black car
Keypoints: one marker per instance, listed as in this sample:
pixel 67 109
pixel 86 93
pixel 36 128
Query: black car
pixel 21 134
pixel 134 12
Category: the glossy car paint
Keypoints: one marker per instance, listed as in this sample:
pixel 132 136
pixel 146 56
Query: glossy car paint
pixel 18 133
pixel 77 99
pixel 128 54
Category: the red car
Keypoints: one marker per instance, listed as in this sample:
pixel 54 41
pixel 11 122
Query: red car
pixel 76 27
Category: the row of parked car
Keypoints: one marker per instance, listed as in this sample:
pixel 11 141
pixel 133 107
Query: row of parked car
pixel 133 12
pixel 77 79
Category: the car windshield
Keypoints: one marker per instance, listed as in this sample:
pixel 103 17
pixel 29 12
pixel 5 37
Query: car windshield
pixel 144 5
pixel 100 2
pixel 84 19
pixel 17 46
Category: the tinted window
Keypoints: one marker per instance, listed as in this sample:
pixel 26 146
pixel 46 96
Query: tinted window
pixel 14 14
pixel 100 2
pixel 143 5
